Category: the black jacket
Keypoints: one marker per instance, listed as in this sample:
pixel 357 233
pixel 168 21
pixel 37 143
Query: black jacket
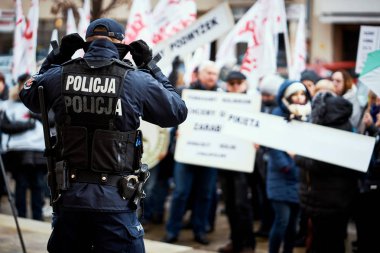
pixel 328 189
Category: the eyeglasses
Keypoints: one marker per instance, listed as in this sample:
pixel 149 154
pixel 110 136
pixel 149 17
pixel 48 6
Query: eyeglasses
pixel 233 82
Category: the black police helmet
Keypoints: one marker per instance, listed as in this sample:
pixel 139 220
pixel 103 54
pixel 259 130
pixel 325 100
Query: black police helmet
pixel 114 29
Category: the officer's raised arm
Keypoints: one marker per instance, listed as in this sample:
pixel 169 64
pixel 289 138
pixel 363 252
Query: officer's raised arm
pixel 162 105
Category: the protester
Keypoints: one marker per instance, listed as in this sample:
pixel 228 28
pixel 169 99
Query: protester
pixel 345 87
pixel 367 206
pixel 309 78
pixel 24 152
pixel 283 174
pixel 201 179
pixel 4 93
pixel 268 87
pixel 328 191
pixel 237 187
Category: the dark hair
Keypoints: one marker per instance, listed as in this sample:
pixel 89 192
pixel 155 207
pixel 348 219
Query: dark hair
pixel 2 78
pixel 347 80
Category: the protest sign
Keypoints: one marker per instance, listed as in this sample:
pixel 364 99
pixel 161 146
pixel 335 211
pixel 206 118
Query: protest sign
pixel 200 141
pixel 206 29
pixel 369 41
pixel 326 144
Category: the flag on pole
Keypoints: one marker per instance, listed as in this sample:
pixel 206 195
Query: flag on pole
pixel 258 28
pixel 139 25
pixel 171 16
pixel 84 18
pixel 298 63
pixel 18 42
pixel 71 27
pixel 54 36
pixel 193 60
pixel 25 40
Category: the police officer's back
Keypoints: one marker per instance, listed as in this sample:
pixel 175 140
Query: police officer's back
pixel 98 102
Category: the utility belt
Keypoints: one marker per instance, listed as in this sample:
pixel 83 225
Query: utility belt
pixel 130 186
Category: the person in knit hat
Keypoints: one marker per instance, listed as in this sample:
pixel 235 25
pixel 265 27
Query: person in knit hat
pixel 282 173
pixel 268 88
pixel 309 78
pixel 296 100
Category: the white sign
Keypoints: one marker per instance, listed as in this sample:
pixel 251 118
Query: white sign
pixel 200 141
pixel 326 144
pixel 206 29
pixel 369 41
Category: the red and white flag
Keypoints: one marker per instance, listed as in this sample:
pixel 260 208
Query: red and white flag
pixel 171 16
pixel 258 28
pixel 25 40
pixel 139 25
pixel 299 52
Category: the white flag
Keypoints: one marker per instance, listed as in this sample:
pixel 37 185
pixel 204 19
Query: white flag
pixel 194 59
pixel 226 52
pixel 299 52
pixel 139 24
pixel 172 16
pixel 25 40
pixel 258 28
pixel 85 17
pixel 71 26
pixel 54 36
pixel 18 42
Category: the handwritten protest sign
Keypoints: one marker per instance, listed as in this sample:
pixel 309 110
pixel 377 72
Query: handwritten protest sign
pixel 200 141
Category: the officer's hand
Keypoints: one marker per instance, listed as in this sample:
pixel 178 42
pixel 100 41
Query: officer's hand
pixel 141 53
pixel 70 43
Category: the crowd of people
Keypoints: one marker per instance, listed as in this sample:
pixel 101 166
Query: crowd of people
pixel 296 200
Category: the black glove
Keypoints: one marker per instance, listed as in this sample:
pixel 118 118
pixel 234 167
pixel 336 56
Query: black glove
pixel 141 53
pixel 69 44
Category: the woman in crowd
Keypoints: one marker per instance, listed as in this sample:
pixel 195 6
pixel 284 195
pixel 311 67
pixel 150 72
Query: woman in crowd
pixel 327 191
pixel 283 174
pixel 344 87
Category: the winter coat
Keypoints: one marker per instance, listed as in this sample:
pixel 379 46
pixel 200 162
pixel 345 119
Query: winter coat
pixel 356 115
pixel 328 189
pixel 282 173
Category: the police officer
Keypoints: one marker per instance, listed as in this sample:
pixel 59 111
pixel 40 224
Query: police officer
pixel 98 101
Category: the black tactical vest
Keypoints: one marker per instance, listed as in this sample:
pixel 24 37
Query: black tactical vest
pixel 89 140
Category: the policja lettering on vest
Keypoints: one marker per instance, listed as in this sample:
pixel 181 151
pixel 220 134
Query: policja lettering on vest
pixel 89 85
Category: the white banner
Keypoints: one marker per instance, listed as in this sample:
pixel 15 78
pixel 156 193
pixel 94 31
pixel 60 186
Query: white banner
pixel 326 144
pixel 206 29
pixel 200 141
pixel 369 41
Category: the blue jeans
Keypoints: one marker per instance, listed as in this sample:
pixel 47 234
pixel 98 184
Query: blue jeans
pixel 284 226
pixel 186 177
pixel 157 189
pixel 32 177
